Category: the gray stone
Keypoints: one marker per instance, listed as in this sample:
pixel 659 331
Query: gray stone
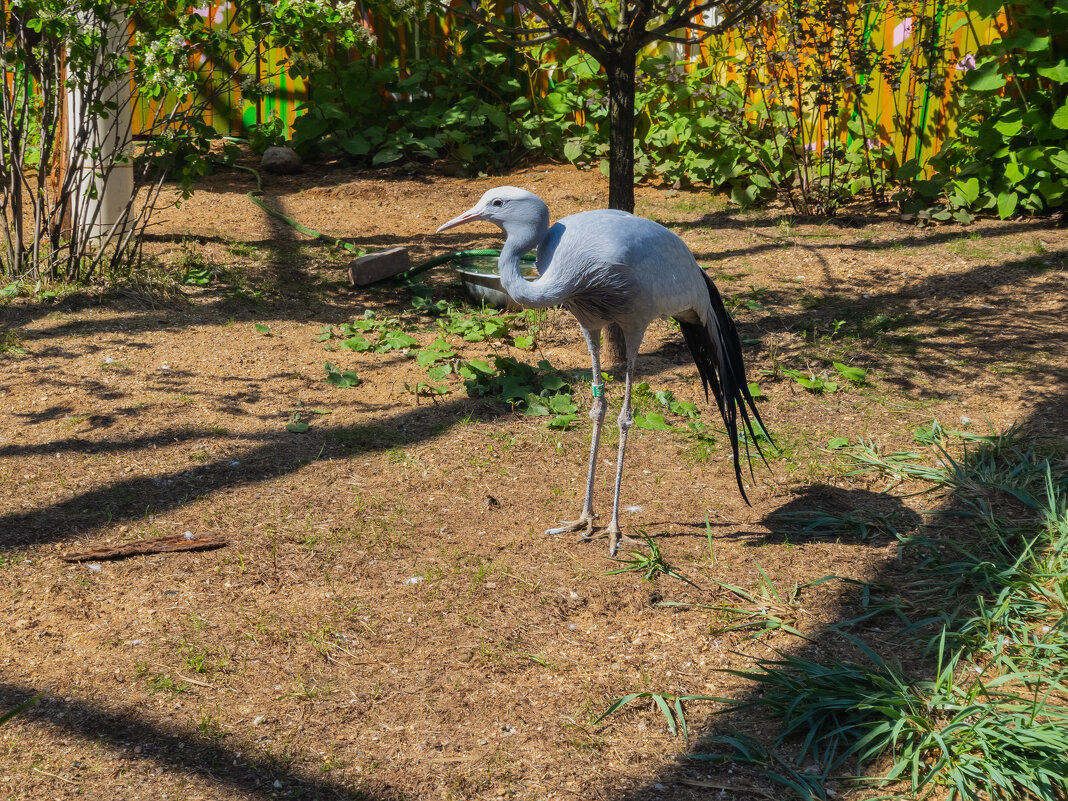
pixel 283 160
pixel 376 266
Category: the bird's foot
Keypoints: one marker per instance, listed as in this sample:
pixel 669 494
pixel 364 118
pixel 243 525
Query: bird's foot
pixel 616 537
pixel 584 522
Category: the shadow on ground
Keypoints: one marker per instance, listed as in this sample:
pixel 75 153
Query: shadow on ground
pixel 275 454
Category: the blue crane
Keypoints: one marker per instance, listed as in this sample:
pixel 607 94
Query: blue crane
pixel 606 267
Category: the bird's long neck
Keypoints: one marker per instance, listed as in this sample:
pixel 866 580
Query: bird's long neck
pixel 521 239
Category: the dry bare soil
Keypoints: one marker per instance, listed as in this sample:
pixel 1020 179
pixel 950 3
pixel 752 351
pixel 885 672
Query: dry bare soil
pixel 389 619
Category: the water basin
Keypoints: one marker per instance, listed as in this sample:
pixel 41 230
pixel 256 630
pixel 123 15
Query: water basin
pixel 482 280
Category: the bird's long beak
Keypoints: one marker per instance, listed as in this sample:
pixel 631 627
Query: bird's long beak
pixel 471 215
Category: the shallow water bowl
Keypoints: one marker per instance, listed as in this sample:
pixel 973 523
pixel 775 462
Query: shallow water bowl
pixel 482 280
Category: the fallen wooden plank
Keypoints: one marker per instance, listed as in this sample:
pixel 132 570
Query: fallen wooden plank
pixel 178 542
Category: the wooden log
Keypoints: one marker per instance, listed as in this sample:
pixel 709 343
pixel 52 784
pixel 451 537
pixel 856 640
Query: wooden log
pixel 178 542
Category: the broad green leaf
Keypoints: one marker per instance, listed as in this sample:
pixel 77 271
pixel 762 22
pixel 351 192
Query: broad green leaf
pixel 398 340
pixel 985 8
pixel 513 387
pixel 1010 123
pixel 563 421
pixel 854 374
pixel 358 343
pixel 436 351
pixel 985 78
pixel 909 170
pixel 561 403
pixel 837 443
pixel 524 343
pixel 342 380
pixel 1029 41
pixel 386 155
pixel 1060 117
pixel 1052 190
pixel 1057 73
pixel 553 382
pixel 297 427
pixel 262 329
pixel 651 421
pixel 969 189
pixel 1007 204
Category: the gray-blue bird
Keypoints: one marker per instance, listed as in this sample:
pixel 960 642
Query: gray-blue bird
pixel 608 267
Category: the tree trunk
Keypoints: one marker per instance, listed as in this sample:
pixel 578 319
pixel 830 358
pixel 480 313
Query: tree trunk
pixel 620 69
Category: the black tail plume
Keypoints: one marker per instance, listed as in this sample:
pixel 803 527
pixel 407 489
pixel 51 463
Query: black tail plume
pixel 717 351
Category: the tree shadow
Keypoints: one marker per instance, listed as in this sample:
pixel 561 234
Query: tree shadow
pixel 850 516
pixel 181 752
pixel 273 454
pixel 861 517
pixel 823 512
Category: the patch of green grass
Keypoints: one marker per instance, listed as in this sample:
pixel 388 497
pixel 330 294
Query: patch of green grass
pixel 650 564
pixel 202 660
pixel 965 695
pixel 761 610
pixel 670 706
pixel 13 343
pixel 241 249
pixel 209 727
pixel 164 682
pixel 969 247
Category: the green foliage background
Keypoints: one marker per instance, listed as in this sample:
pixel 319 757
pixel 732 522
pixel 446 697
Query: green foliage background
pixel 486 109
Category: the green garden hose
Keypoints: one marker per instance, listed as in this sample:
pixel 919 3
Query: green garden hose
pixel 254 196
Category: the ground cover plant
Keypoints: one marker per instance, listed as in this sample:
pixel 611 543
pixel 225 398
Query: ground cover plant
pixel 388 618
pixel 978 707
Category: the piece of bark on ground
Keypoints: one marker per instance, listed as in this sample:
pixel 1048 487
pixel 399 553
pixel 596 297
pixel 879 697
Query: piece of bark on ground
pixel 178 542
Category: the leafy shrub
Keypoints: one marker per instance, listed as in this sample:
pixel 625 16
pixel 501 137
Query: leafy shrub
pixel 1010 153
pixel 469 107
pixel 691 127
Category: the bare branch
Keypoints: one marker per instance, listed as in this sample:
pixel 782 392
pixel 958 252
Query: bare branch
pixel 685 19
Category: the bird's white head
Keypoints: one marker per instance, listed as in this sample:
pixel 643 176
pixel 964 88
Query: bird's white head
pixel 506 207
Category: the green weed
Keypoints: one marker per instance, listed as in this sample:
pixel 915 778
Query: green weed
pixel 165 683
pixel 650 564
pixel 11 342
pixel 669 704
pixel 989 718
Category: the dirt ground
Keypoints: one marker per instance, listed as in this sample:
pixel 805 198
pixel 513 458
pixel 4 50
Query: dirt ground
pixel 388 619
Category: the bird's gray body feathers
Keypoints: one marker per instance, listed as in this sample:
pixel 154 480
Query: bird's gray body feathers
pixel 619 268
pixel 609 267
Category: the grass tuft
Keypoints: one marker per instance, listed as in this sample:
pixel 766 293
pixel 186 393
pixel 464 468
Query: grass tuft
pixel 974 703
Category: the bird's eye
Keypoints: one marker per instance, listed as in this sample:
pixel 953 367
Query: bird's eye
pixel 497 203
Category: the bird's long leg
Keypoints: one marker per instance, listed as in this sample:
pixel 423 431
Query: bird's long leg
pixel 626 420
pixel 597 414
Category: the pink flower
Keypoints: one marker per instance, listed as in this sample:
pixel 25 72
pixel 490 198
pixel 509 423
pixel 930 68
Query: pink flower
pixel 966 64
pixel 903 31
